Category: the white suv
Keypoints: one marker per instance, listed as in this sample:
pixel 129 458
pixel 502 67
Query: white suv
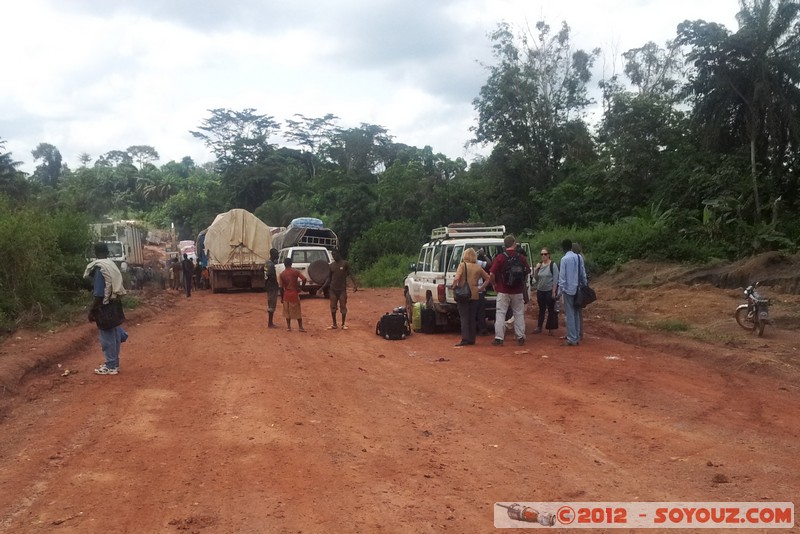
pixel 302 260
pixel 431 277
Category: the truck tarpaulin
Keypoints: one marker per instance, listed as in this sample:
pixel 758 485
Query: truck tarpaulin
pixel 237 245
pixel 237 237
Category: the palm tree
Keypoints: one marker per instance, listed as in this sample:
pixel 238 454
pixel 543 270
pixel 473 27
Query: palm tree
pixel 12 180
pixel 748 83
pixel 293 186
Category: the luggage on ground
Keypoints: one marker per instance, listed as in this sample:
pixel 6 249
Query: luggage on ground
pixel 416 317
pixel 393 326
pixel 428 320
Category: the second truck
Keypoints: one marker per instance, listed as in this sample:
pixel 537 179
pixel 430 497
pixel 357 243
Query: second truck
pixel 236 248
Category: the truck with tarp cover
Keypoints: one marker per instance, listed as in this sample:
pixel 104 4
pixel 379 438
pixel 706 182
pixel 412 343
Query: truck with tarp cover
pixel 236 248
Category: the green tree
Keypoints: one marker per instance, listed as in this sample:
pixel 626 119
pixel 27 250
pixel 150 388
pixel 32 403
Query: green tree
pixel 142 155
pixel 653 70
pixel 12 180
pixel 360 152
pixel 313 135
pixel 745 88
pixel 643 139
pixel 246 159
pixel 293 185
pixel 114 158
pixel 237 138
pixel 529 108
pixel 43 251
pixel 48 171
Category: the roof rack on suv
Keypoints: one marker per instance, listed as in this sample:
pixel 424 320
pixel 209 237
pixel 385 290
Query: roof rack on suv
pixel 465 230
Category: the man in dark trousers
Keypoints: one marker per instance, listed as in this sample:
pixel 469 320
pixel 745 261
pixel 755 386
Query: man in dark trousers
pixel 337 287
pixel 271 285
pixel 187 268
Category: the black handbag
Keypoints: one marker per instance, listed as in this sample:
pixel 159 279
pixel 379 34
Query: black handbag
pixel 110 315
pixel 463 293
pixel 585 295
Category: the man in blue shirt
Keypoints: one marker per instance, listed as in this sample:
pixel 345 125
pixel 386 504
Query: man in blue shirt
pixel 571 275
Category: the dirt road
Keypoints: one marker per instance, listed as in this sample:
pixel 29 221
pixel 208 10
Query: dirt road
pixel 217 425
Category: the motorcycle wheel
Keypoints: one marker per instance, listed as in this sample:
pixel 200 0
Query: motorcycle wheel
pixel 759 327
pixel 744 321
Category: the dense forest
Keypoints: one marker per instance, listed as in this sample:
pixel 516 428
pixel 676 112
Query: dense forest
pixel 696 155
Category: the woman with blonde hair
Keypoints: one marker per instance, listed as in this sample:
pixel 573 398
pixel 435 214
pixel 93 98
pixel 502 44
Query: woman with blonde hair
pixel 467 311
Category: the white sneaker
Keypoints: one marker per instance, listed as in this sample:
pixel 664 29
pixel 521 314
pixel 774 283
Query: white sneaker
pixel 103 370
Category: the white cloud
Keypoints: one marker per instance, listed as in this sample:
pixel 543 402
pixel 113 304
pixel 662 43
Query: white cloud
pixel 93 76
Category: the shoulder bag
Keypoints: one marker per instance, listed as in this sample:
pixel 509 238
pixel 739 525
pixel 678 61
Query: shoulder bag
pixel 463 293
pixel 585 295
pixel 110 315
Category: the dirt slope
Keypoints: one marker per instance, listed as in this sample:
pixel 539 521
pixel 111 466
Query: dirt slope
pixel 218 425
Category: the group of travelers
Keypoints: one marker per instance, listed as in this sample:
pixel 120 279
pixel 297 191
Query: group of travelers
pixel 507 273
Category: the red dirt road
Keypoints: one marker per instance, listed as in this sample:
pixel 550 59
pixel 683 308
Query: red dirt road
pixel 217 425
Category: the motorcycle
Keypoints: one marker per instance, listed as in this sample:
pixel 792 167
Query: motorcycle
pixel 754 315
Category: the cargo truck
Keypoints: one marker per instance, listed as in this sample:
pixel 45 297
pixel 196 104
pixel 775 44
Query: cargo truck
pixel 236 247
pixel 125 241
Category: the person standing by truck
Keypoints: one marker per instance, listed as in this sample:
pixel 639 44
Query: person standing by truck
pixel 337 287
pixel 290 281
pixel 187 269
pixel 272 287
pixel 175 274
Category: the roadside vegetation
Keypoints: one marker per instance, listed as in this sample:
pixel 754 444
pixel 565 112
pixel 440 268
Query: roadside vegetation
pixel 696 157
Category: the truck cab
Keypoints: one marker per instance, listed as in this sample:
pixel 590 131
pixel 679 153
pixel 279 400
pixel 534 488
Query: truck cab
pixel 118 254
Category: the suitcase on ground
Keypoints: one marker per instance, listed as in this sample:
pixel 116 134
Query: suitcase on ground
pixel 428 320
pixel 416 317
pixel 393 326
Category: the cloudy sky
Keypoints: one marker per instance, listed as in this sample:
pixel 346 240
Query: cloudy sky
pixel 90 76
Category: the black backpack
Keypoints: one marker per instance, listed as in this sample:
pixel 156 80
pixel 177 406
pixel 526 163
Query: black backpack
pixel 513 271
pixel 393 325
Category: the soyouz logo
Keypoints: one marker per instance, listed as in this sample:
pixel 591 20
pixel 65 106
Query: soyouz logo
pixel 644 515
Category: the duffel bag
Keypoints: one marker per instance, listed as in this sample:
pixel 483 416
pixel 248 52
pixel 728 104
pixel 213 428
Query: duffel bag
pixel 393 326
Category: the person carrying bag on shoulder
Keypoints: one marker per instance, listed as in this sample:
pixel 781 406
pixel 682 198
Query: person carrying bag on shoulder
pixel 106 311
pixel 467 275
pixel 570 277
